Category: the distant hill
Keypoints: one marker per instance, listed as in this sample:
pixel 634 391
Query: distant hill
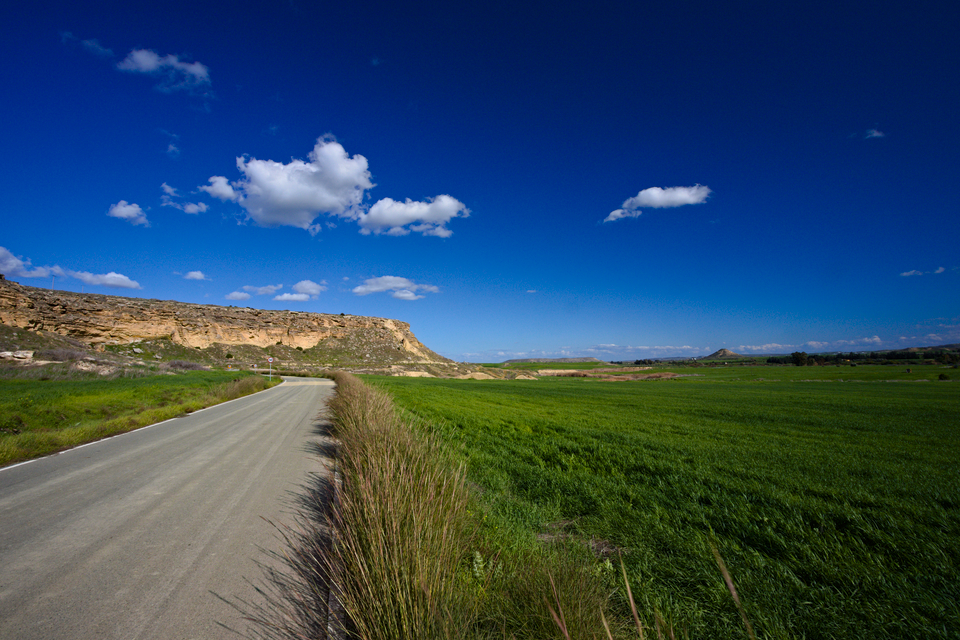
pixel 721 354
pixel 559 360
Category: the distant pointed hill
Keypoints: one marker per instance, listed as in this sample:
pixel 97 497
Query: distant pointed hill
pixel 723 353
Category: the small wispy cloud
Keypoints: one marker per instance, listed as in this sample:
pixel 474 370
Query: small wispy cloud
pixel 296 297
pixel 237 295
pixel 915 272
pixel 91 46
pixel 174 74
pixel 657 198
pixel 874 133
pixel 268 290
pixel 130 212
pixel 195 275
pixel 399 288
pixel 167 200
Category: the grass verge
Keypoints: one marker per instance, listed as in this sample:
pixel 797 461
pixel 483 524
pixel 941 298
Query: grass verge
pixel 42 416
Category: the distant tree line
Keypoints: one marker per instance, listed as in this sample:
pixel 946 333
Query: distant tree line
pixel 801 358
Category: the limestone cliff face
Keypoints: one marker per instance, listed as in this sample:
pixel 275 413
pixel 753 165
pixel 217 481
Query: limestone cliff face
pixel 104 320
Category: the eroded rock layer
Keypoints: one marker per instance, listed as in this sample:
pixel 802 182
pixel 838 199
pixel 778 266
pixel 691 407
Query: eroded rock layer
pixel 102 320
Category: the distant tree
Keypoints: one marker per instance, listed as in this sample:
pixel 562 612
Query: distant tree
pixel 799 358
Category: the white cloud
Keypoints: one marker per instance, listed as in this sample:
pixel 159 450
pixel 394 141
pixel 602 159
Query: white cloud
pixel 873 133
pixel 309 287
pixel 237 295
pixel 221 189
pixel 194 208
pixel 773 346
pixel 195 275
pixel 268 290
pixel 132 213
pixel 813 344
pixel 874 340
pixel 11 265
pixel 298 297
pixel 658 198
pixel 294 194
pixel 173 150
pixel 175 74
pixel 392 217
pixel 169 193
pixel 940 270
pixel 112 279
pixel 96 48
pixel 400 288
pixel 333 183
pixel 531 290
pixel 912 273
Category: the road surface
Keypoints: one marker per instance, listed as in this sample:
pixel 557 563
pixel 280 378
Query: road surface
pixel 137 536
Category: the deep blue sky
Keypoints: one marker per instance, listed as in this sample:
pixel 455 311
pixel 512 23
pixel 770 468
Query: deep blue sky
pixel 624 180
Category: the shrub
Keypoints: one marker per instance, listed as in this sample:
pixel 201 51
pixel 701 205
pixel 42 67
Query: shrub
pixel 185 366
pixel 60 355
pixel 943 376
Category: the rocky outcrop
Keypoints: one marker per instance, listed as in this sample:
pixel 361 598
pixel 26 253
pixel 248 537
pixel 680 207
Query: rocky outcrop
pixel 101 320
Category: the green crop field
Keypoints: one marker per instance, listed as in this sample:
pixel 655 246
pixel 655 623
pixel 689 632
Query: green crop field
pixel 42 416
pixel 836 505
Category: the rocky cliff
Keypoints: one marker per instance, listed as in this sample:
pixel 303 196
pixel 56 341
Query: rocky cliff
pixel 101 321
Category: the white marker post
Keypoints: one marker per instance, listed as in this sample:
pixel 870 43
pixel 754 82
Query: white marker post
pixel 270 375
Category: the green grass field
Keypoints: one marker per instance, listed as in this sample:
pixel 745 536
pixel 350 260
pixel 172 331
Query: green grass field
pixel 836 505
pixel 38 417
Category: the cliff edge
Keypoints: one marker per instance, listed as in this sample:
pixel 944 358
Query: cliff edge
pixel 107 321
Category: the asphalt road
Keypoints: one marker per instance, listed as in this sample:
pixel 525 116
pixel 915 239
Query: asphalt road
pixel 137 536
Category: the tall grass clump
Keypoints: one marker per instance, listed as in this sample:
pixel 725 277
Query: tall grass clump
pixel 402 533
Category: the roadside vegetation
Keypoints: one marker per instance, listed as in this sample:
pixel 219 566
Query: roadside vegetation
pixel 836 505
pixel 49 408
pixel 406 547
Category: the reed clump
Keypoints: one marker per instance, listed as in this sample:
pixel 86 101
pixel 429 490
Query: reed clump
pixel 402 532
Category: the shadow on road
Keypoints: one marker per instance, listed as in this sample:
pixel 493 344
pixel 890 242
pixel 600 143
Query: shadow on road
pixel 294 588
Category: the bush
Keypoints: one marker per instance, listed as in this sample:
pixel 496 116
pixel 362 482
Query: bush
pixel 185 366
pixel 943 376
pixel 60 355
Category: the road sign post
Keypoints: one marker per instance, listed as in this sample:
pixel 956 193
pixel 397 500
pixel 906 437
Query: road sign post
pixel 270 374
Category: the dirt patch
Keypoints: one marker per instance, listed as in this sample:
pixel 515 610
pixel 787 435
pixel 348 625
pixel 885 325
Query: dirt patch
pixel 476 375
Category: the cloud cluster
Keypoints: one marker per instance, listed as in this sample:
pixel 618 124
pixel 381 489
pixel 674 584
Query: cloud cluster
pixel 657 198
pixel 174 73
pixel 11 265
pixel 330 182
pixel 817 345
pixel 914 272
pixel 195 275
pixel 167 200
pixel 399 288
pixel 132 213
pixel 303 291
